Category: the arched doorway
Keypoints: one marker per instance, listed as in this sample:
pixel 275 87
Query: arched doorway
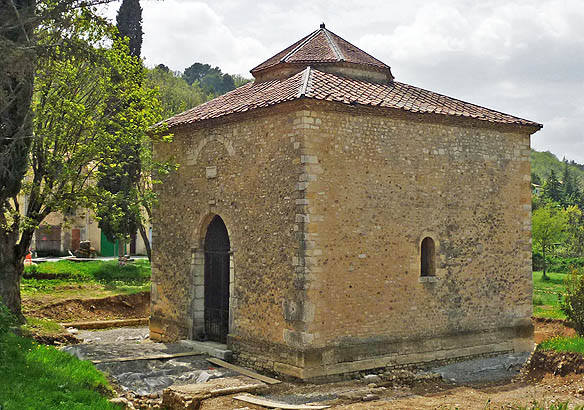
pixel 217 281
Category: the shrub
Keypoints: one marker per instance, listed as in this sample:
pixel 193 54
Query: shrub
pixel 572 300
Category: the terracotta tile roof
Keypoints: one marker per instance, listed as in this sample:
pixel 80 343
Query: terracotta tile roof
pixel 318 85
pixel 321 46
pixel 245 98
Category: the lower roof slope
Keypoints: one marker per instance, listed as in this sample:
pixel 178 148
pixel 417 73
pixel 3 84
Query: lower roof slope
pixel 318 85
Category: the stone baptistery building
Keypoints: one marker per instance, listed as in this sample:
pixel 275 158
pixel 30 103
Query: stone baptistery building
pixel 326 219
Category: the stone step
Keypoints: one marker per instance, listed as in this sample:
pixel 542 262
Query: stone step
pixel 213 349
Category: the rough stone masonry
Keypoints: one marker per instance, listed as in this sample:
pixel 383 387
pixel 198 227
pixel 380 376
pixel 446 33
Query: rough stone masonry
pixel 370 223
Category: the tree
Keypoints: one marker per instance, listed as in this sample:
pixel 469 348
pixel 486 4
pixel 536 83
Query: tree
pixel 574 230
pixel 240 80
pixel 162 67
pixel 552 188
pixel 197 71
pixel 549 224
pixel 175 94
pixel 129 24
pixel 17 59
pixel 126 177
pixel 119 174
pixel 567 181
pixel 572 301
pixel 73 88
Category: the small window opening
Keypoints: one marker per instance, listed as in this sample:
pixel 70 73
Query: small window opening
pixel 428 258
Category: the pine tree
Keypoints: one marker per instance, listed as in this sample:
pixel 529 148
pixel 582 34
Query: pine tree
pixel 568 182
pixel 552 188
pixel 129 23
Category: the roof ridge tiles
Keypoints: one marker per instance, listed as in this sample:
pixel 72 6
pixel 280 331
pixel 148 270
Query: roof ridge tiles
pixel 334 45
pixel 299 46
pixel 304 86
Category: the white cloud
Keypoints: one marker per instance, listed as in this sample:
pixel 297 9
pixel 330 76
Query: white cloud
pixel 524 57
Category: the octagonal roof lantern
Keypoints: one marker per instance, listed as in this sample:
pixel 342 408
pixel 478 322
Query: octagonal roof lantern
pixel 325 51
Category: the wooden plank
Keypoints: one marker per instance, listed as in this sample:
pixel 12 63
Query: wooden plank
pixel 243 371
pixel 248 398
pixel 103 324
pixel 151 357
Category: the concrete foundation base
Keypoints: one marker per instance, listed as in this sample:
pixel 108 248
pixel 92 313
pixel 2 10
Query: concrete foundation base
pixel 213 349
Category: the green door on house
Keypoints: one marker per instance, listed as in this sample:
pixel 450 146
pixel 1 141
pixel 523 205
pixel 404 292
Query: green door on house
pixel 108 248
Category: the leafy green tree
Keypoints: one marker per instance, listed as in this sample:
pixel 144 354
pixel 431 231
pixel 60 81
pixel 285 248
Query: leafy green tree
pixel 549 226
pixel 575 230
pixel 126 177
pixel 552 188
pixel 572 301
pixel 210 79
pixel 175 94
pixel 129 24
pixel 75 130
pixel 197 71
pixel 535 179
pixel 239 80
pixel 162 67
pixel 24 26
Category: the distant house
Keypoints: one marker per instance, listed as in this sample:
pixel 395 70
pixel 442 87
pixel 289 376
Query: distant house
pixel 60 233
pixel 327 219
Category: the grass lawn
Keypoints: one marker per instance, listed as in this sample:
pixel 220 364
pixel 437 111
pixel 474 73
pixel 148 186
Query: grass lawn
pixel 95 279
pixel 545 295
pixel 564 344
pixel 34 376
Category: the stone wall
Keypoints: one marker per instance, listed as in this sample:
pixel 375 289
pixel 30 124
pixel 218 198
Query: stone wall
pixel 326 208
pixel 380 184
pixel 244 172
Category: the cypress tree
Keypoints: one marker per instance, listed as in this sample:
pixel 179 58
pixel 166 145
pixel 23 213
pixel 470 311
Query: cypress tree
pixel 129 23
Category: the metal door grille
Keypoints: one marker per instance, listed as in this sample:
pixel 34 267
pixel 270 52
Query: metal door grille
pixel 217 281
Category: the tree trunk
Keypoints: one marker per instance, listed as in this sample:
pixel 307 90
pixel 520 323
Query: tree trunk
pixel 146 240
pixel 11 269
pixel 544 276
pixel 121 247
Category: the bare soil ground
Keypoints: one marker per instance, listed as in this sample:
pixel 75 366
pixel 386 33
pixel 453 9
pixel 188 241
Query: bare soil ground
pixel 112 307
pixel 547 328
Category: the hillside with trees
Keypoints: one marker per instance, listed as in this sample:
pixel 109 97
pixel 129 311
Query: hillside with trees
pixel 558 221
pixel 198 83
pixel 542 163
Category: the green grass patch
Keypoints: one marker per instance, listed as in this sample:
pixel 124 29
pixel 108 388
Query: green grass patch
pixel 561 344
pixel 67 279
pixel 43 326
pixel 34 376
pixel 564 405
pixel 546 302
pixel 94 270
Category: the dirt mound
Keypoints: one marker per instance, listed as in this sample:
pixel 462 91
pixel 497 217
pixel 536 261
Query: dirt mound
pixel 559 364
pixel 113 307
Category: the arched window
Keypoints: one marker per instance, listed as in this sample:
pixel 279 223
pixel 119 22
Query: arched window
pixel 427 257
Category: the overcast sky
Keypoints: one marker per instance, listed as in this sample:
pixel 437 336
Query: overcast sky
pixel 522 57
